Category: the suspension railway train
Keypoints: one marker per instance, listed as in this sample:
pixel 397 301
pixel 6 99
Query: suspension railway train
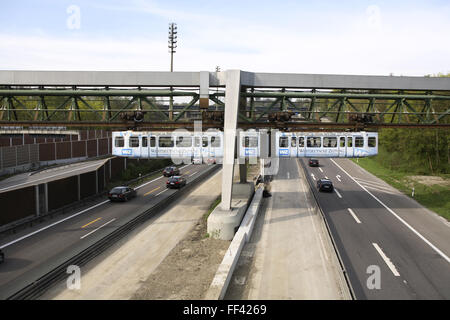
pixel 209 145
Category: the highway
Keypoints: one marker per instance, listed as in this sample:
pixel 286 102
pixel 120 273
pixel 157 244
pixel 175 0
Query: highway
pixel 289 255
pixel 35 251
pixel 375 225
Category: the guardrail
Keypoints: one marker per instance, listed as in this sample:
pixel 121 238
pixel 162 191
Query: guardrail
pixel 42 284
pixel 319 208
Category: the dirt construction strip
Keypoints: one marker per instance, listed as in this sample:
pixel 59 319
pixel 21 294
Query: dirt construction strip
pixel 140 266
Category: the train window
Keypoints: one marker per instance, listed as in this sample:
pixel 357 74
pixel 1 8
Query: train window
pixel 372 142
pixel 184 142
pixel 294 142
pixel 359 142
pixel 350 142
pixel 301 142
pixel 144 142
pixel 152 142
pixel 342 142
pixel 329 142
pixel 204 142
pixel 314 142
pixel 284 142
pixel 119 142
pixel 250 142
pixel 215 142
pixel 166 142
pixel 134 142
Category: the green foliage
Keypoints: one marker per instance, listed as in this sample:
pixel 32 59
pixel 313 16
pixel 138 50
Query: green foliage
pixel 424 151
pixel 143 167
pixel 434 197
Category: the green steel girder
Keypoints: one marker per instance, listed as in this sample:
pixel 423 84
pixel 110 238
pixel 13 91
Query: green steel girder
pixel 334 104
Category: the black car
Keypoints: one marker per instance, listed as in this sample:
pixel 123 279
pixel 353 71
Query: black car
pixel 313 162
pixel 176 182
pixel 325 185
pixel 171 171
pixel 2 256
pixel 122 194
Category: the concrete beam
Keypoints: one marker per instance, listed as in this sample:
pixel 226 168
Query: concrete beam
pixel 100 78
pixel 195 79
pixel 334 81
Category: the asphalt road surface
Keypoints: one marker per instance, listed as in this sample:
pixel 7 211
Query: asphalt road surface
pixel 379 231
pixel 35 251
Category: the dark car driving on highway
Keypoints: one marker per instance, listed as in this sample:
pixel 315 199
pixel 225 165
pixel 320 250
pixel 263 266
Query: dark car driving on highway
pixel 2 256
pixel 176 182
pixel 325 185
pixel 313 162
pixel 122 194
pixel 171 171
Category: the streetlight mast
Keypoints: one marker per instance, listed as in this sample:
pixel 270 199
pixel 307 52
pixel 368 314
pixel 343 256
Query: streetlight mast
pixel 172 49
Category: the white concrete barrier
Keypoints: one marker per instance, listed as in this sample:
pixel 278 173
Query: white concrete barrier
pixel 223 275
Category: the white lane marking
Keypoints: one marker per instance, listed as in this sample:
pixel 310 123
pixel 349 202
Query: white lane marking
pixel 320 169
pixel 288 175
pixel 160 192
pixel 337 192
pixel 338 177
pixel 312 175
pixel 48 177
pixel 379 189
pixel 53 224
pixel 326 177
pixel 387 260
pixel 185 166
pixel 371 182
pixel 143 185
pixel 353 215
pixel 97 228
pixel 443 255
pixel 193 174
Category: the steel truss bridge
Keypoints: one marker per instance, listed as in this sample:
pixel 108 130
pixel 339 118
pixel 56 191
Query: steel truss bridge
pixel 267 100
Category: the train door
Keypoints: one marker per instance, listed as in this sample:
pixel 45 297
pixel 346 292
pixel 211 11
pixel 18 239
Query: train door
pixel 197 149
pixel 144 147
pixel 301 147
pixel 205 147
pixel 342 153
pixel 152 147
pixel 216 146
pixel 293 146
pixel 349 153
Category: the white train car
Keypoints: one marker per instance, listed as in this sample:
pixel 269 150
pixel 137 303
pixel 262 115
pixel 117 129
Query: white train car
pixel 208 146
pixel 326 144
pixel 170 145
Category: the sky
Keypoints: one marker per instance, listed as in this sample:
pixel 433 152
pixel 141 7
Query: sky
pixel 409 38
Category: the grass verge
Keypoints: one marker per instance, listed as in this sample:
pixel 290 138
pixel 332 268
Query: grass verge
pixel 434 197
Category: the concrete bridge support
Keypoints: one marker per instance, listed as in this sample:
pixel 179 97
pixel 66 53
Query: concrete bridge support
pixel 226 218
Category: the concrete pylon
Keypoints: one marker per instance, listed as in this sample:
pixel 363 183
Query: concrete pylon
pixel 232 93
